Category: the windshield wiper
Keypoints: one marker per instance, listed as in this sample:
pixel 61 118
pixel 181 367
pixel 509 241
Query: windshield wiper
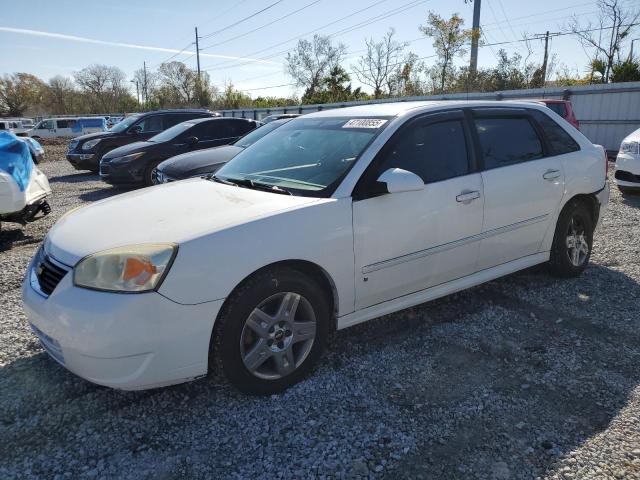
pixel 248 183
pixel 214 178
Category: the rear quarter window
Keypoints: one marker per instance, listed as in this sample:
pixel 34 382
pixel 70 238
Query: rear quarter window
pixel 557 137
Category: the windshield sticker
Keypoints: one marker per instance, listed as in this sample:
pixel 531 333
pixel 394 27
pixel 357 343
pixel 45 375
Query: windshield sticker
pixel 364 123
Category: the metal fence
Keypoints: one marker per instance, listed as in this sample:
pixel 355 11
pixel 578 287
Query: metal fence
pixel 607 113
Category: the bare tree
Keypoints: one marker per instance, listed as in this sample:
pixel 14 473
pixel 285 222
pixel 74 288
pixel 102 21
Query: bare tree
pixel 311 62
pixel 449 40
pixel 177 83
pixel 376 66
pixel 104 86
pixel 61 95
pixel 605 36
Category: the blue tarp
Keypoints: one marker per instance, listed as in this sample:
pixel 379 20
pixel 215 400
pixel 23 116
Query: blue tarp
pixel 15 159
pixel 98 122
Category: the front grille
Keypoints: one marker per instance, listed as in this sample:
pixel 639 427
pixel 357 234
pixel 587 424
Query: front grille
pixel 627 176
pixel 51 345
pixel 48 274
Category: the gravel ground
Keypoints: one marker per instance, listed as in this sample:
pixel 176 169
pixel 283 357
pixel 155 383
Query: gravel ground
pixel 524 377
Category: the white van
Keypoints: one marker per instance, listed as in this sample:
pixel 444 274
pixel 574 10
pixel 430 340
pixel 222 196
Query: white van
pixel 11 125
pixel 68 127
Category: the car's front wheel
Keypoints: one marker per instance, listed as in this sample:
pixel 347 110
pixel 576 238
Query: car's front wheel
pixel 573 240
pixel 272 331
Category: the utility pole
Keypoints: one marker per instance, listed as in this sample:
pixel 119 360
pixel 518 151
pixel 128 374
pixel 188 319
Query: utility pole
pixel 473 66
pixel 137 91
pixel 144 89
pixel 199 84
pixel 546 57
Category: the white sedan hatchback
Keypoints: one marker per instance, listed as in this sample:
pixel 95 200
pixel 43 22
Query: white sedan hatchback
pixel 333 219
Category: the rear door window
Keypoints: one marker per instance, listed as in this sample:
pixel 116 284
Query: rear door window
pixel 557 137
pixel 507 141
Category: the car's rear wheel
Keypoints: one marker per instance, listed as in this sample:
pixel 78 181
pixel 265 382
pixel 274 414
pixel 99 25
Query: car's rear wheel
pixel 272 331
pixel 573 241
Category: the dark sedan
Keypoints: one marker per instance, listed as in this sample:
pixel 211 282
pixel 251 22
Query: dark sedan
pixel 134 164
pixel 203 162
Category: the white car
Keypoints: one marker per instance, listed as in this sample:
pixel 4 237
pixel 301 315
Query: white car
pixel 67 127
pixel 333 219
pixel 627 173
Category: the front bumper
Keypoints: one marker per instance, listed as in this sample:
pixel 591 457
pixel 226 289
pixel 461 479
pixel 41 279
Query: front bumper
pixel 603 200
pixel 84 161
pixel 627 172
pixel 124 341
pixel 121 173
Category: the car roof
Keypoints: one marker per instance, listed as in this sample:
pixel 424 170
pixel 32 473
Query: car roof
pixel 393 109
pixel 211 119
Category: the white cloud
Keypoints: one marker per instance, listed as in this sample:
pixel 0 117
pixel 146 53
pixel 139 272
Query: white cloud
pixel 74 38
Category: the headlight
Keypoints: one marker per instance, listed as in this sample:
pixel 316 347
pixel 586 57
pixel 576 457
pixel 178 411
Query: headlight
pixel 136 268
pixel 630 147
pixel 90 144
pixel 127 158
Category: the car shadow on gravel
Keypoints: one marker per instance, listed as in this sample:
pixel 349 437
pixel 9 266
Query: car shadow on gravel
pixel 101 194
pixel 500 381
pixel 75 178
pixel 10 236
pixel 631 199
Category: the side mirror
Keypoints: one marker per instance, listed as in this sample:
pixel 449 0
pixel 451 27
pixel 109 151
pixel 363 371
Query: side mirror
pixel 136 130
pixel 399 180
pixel 191 140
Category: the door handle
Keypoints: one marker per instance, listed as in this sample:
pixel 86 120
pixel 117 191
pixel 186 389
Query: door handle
pixel 551 174
pixel 467 197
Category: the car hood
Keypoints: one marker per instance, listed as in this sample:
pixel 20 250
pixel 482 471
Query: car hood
pixel 128 149
pixel 633 136
pixel 198 162
pixel 90 136
pixel 171 213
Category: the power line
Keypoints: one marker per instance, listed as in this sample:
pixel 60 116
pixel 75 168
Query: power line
pixel 242 20
pixel 551 35
pixel 364 23
pixel 302 35
pixel 261 27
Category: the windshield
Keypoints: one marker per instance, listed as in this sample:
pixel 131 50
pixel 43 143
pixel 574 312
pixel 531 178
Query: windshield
pixel 171 133
pixel 305 156
pixel 124 124
pixel 255 135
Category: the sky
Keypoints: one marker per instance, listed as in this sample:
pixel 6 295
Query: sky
pixel 59 38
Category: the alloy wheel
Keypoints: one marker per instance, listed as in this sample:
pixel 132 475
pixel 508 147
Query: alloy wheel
pixel 577 245
pixel 278 335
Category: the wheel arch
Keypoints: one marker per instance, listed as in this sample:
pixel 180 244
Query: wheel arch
pixel 589 200
pixel 311 269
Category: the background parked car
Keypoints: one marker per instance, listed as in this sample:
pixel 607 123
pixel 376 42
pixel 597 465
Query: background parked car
pixel 14 126
pixel 279 116
pixel 85 152
pixel 202 162
pixel 562 108
pixel 135 163
pixel 67 127
pixel 627 173
pixel 37 152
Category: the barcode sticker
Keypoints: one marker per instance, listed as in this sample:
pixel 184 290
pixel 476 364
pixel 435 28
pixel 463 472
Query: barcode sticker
pixel 364 123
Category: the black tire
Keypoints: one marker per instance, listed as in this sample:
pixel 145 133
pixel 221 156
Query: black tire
pixel 148 179
pixel 560 261
pixel 225 352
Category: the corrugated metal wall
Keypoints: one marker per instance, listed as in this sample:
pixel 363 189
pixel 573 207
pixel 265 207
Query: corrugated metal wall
pixel 607 113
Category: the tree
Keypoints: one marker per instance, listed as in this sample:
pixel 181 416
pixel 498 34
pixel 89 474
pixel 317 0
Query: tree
pixel 231 98
pixel 627 71
pixel 335 87
pixel 449 40
pixel 20 91
pixel 376 66
pixel 606 36
pixel 310 62
pixel 61 95
pixel 105 88
pixel 405 79
pixel 177 84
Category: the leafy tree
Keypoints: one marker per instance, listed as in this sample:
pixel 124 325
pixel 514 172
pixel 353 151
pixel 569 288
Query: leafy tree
pixel 405 80
pixel 311 61
pixel 627 71
pixel 376 67
pixel 20 91
pixel 449 41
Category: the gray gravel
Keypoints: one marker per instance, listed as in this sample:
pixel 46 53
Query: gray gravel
pixel 525 377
